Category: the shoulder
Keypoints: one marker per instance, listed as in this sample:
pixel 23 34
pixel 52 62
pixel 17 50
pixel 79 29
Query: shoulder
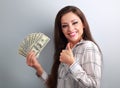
pixel 87 44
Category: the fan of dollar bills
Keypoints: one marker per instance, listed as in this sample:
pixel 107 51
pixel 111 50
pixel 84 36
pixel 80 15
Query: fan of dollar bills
pixel 33 42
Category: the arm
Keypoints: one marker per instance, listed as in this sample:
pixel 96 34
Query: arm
pixel 88 73
pixel 32 61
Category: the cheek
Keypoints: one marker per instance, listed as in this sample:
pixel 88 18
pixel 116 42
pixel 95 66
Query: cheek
pixel 80 32
pixel 81 29
pixel 64 32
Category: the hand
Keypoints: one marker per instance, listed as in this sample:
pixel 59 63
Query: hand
pixel 32 61
pixel 66 56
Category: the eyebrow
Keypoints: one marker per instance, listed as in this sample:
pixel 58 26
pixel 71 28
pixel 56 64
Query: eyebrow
pixel 74 20
pixel 71 21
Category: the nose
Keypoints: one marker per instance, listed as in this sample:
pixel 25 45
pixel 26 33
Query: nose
pixel 70 27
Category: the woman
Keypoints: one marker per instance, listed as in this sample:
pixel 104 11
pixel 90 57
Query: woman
pixel 77 58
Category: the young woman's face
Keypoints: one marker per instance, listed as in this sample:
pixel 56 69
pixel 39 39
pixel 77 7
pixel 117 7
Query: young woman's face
pixel 72 27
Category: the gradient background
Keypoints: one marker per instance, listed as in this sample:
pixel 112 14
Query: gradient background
pixel 18 18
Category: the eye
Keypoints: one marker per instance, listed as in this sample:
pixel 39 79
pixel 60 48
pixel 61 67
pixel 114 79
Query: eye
pixel 75 22
pixel 64 26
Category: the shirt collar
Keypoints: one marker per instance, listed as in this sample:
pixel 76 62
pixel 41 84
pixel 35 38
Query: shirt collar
pixel 79 43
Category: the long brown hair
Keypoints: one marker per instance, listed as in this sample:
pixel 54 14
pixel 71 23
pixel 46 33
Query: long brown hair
pixel 60 40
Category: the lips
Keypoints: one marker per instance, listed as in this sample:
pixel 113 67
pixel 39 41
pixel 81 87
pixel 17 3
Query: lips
pixel 72 34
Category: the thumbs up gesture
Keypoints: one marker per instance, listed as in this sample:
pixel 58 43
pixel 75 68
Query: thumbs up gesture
pixel 66 56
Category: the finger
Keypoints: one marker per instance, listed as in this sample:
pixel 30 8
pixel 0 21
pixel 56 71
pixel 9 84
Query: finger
pixel 30 58
pixel 60 59
pixel 27 58
pixel 68 46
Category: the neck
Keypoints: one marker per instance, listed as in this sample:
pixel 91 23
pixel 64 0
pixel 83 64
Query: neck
pixel 74 43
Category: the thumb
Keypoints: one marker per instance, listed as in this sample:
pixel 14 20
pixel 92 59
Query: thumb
pixel 68 46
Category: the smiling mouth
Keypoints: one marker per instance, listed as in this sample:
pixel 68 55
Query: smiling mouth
pixel 72 34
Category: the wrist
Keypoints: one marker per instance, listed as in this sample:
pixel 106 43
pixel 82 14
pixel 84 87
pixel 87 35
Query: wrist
pixel 39 70
pixel 72 61
pixel 38 74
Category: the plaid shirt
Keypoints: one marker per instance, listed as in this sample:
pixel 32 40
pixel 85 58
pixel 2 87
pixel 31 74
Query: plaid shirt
pixel 85 72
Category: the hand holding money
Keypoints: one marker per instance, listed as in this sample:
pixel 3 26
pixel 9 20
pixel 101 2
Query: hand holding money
pixel 33 42
pixel 32 61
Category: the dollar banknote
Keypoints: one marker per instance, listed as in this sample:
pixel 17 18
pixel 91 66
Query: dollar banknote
pixel 33 42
